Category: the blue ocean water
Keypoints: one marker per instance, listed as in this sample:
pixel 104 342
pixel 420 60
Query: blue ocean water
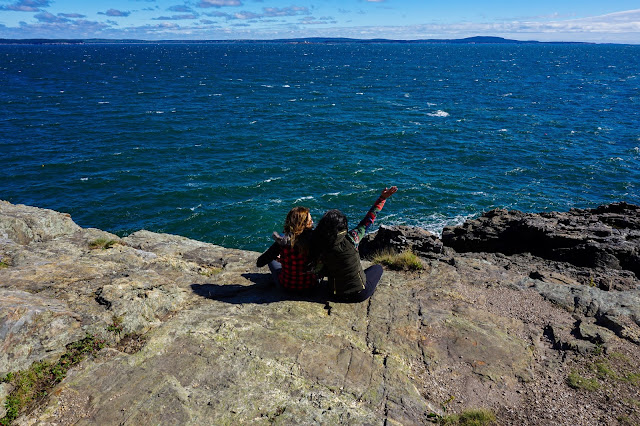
pixel 218 141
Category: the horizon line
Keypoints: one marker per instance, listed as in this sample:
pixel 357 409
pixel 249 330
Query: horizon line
pixel 464 40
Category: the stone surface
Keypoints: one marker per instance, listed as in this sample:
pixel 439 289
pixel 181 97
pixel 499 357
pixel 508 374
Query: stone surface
pixel 606 237
pixel 399 239
pixel 221 345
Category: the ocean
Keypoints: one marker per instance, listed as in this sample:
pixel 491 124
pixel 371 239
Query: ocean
pixel 217 142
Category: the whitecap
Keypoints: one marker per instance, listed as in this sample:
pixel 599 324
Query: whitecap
pixel 193 208
pixel 304 198
pixel 84 179
pixel 503 130
pixel 359 93
pixel 438 113
pixel 515 171
pixel 271 179
pixel 436 222
pixel 285 85
pixel 103 102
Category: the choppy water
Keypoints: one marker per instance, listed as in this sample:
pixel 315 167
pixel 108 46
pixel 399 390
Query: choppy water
pixel 218 141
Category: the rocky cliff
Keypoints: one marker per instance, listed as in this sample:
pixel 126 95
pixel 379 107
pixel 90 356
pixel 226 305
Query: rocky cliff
pixel 533 317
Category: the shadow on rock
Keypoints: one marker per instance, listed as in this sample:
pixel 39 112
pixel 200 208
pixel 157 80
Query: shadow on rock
pixel 262 291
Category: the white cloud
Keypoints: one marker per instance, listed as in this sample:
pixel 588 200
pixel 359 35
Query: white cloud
pixel 115 12
pixel 72 15
pixel 26 5
pixel 619 27
pixel 180 8
pixel 285 11
pixel 219 3
pixel 176 17
pixel 48 17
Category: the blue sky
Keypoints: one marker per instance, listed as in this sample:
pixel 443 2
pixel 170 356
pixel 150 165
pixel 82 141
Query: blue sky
pixel 616 21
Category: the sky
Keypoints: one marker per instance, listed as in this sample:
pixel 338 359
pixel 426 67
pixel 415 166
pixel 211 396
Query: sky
pixel 613 21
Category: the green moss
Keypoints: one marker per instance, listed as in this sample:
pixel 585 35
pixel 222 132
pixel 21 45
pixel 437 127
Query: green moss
pixel 576 381
pixel 116 325
pixel 102 243
pixel 603 370
pixel 619 356
pixel 3 265
pixel 31 386
pixel 406 260
pixel 633 378
pixel 209 271
pixel 471 417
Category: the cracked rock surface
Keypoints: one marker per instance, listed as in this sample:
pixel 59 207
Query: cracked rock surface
pixel 494 329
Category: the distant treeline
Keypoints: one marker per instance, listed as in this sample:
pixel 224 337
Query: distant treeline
pixel 311 40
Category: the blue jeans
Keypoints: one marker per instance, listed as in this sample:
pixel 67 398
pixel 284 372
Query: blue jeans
pixel 275 268
pixel 373 274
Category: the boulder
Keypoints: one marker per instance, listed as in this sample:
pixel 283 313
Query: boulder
pixel 607 237
pixel 399 239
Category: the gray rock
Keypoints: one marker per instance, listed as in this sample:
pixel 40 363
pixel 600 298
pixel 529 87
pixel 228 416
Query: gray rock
pixel 399 239
pixel 607 237
pixel 223 346
pixel 23 224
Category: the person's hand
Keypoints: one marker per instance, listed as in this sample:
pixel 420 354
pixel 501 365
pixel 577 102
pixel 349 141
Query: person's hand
pixel 388 192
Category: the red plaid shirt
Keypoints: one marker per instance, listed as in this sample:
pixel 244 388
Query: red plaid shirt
pixel 295 273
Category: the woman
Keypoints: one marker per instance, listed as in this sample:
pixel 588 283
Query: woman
pixel 336 249
pixel 288 256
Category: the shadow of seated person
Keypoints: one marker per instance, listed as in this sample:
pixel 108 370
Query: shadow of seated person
pixel 262 291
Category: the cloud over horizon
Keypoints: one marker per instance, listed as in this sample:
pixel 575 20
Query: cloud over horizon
pixel 258 19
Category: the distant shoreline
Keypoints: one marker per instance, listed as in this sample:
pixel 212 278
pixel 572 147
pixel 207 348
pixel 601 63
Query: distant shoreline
pixel 311 40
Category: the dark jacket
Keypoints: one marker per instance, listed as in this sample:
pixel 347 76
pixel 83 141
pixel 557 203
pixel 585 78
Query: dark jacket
pixel 341 262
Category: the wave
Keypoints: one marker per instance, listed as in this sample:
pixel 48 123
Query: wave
pixel 436 222
pixel 309 197
pixel 438 113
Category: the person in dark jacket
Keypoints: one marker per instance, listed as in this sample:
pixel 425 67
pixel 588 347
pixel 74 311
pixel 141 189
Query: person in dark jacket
pixel 336 249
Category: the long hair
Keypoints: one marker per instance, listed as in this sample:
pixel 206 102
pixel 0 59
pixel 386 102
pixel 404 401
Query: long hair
pixel 324 236
pixel 295 223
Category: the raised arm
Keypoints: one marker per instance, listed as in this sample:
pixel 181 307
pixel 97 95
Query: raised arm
pixel 360 231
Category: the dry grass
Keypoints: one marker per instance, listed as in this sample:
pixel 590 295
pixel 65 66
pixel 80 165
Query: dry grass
pixel 406 260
